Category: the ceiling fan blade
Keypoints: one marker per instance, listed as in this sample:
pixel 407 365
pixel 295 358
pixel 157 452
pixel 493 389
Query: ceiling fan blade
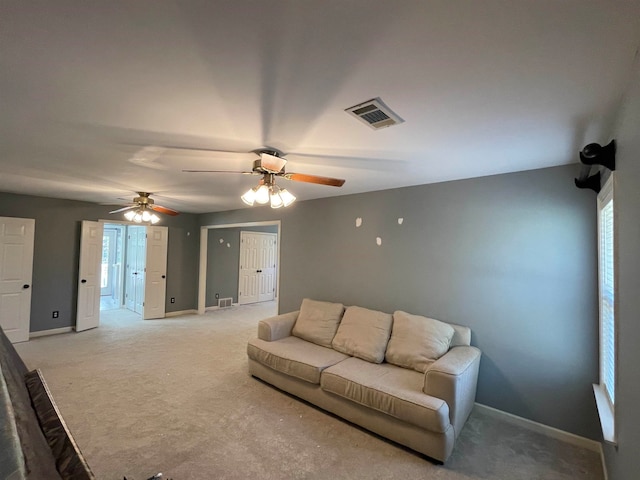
pixel 301 177
pixel 124 209
pixel 199 149
pixel 165 210
pixel 218 171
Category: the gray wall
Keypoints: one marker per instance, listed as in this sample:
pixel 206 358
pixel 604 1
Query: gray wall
pixel 223 260
pixel 512 256
pixel 624 462
pixel 57 246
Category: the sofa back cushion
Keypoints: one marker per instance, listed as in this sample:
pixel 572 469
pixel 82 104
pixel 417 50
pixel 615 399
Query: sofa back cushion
pixel 461 336
pixel 318 321
pixel 416 342
pixel 363 333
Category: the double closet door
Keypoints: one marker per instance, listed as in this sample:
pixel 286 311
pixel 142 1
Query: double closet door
pixel 258 261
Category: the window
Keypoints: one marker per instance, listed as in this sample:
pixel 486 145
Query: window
pixel 605 392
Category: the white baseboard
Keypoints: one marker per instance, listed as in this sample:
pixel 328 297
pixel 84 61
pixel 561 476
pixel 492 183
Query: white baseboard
pixel 52 331
pixel 552 432
pixel 181 312
pixel 215 307
pixel 571 438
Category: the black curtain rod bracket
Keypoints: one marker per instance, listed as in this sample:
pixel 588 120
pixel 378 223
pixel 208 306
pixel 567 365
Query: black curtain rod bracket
pixel 595 155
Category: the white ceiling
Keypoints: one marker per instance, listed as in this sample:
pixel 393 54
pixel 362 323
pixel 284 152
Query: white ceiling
pixel 484 87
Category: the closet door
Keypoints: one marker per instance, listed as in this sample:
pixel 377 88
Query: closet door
pixel 258 260
pixel 156 272
pixel 16 268
pixel 89 284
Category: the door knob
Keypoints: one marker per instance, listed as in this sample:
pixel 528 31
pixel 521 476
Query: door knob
pixel 25 286
pixel 83 281
pixel 164 276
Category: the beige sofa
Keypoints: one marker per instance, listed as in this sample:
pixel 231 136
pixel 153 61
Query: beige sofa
pixel 409 378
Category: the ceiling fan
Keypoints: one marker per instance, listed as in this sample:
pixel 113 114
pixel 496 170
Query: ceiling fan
pixel 271 162
pixel 270 165
pixel 143 209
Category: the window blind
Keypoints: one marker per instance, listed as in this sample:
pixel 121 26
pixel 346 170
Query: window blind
pixel 607 324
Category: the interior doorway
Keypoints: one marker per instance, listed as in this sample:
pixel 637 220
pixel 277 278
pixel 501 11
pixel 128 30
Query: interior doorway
pixel 134 268
pixel 219 259
pixel 123 268
pixel 137 265
pixel 112 272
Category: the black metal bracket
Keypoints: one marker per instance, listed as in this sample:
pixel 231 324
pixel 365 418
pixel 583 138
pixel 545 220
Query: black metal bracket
pixel 592 182
pixel 595 154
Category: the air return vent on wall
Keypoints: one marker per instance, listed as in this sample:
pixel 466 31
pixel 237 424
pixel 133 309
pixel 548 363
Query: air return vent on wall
pixel 375 114
pixel 225 302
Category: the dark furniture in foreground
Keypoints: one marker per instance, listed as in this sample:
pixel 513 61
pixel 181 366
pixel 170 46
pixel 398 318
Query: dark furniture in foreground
pixel 35 443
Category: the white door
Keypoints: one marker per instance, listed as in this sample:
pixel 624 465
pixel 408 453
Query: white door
pixel 136 245
pixel 248 278
pixel 267 267
pixel 257 267
pixel 156 272
pixel 138 274
pixel 16 268
pixel 88 310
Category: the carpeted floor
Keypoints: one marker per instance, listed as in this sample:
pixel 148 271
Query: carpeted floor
pixel 174 396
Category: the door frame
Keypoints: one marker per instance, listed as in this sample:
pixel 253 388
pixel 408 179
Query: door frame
pixel 204 240
pixel 120 229
pixel 112 233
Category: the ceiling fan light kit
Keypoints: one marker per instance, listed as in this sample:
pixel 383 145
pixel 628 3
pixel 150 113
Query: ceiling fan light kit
pixel 268 192
pixel 141 215
pixel 143 209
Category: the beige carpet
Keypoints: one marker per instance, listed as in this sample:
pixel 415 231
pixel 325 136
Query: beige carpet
pixel 174 396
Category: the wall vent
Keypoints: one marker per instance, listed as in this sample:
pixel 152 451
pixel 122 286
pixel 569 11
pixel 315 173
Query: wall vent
pixel 225 302
pixel 375 114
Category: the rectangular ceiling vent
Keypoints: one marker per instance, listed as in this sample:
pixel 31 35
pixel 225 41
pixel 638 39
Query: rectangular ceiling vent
pixel 375 114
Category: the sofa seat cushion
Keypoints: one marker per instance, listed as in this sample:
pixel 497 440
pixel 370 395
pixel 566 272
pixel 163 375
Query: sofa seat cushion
pixel 363 333
pixel 294 356
pixel 388 389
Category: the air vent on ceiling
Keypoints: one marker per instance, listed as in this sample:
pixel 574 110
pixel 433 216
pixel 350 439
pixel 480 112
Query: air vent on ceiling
pixel 375 114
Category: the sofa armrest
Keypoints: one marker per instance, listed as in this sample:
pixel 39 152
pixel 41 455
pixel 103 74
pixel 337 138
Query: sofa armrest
pixel 454 378
pixel 275 328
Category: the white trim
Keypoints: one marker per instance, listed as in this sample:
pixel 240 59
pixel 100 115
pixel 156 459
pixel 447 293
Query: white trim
pixel 202 272
pixel 216 307
pixel 541 428
pixel 52 331
pixel 191 311
pixel 552 432
pixel 605 412
pixel 604 404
